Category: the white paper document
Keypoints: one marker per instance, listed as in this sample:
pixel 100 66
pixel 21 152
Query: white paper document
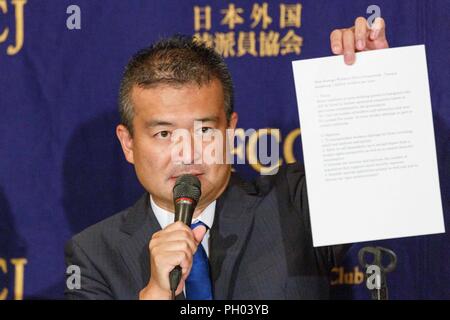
pixel 368 146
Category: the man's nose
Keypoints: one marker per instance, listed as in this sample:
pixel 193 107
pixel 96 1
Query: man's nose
pixel 192 151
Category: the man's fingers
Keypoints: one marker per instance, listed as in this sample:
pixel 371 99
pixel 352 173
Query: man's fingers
pixel 171 227
pixel 378 29
pixel 176 237
pixel 167 261
pixel 174 227
pixel 360 33
pixel 343 41
pixel 349 46
pixel 199 233
pixel 185 261
pixel 177 226
pixel 336 41
pixel 181 245
pixel 180 287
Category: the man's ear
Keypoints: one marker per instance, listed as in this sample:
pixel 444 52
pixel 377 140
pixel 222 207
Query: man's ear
pixel 230 132
pixel 126 141
pixel 233 121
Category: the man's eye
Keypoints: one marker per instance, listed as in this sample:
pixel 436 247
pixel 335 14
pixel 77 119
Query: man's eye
pixel 163 134
pixel 207 130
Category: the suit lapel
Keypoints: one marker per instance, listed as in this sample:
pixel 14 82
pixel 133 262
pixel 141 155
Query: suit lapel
pixel 229 234
pixel 140 224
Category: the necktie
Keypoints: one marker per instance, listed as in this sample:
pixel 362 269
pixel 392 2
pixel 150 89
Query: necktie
pixel 198 284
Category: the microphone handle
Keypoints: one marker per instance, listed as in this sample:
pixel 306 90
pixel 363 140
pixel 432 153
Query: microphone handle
pixel 184 210
pixel 174 279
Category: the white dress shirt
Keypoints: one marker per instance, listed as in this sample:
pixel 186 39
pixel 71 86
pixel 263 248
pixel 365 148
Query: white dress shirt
pixel 165 218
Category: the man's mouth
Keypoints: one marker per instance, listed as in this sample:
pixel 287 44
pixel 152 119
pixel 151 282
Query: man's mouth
pixel 197 174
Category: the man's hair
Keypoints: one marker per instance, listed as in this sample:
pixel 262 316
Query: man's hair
pixel 177 60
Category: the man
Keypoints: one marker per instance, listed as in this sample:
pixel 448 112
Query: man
pixel 255 237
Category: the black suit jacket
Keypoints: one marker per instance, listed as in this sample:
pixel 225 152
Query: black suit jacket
pixel 260 245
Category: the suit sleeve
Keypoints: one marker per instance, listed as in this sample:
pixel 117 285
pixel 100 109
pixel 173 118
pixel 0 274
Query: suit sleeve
pixel 93 286
pixel 296 180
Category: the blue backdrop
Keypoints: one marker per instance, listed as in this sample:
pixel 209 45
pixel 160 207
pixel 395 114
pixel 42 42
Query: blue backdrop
pixel 61 167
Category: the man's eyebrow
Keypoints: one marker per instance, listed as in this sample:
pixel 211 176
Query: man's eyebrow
pixel 208 119
pixel 156 123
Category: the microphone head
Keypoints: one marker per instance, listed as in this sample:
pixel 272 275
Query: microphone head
pixel 187 186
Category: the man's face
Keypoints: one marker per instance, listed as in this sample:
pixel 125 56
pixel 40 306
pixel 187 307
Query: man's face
pixel 160 113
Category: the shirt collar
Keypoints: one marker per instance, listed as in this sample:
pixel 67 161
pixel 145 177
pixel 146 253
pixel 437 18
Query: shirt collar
pixel 165 217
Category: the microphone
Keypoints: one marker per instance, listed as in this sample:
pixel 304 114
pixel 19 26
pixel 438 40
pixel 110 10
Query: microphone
pixel 186 193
